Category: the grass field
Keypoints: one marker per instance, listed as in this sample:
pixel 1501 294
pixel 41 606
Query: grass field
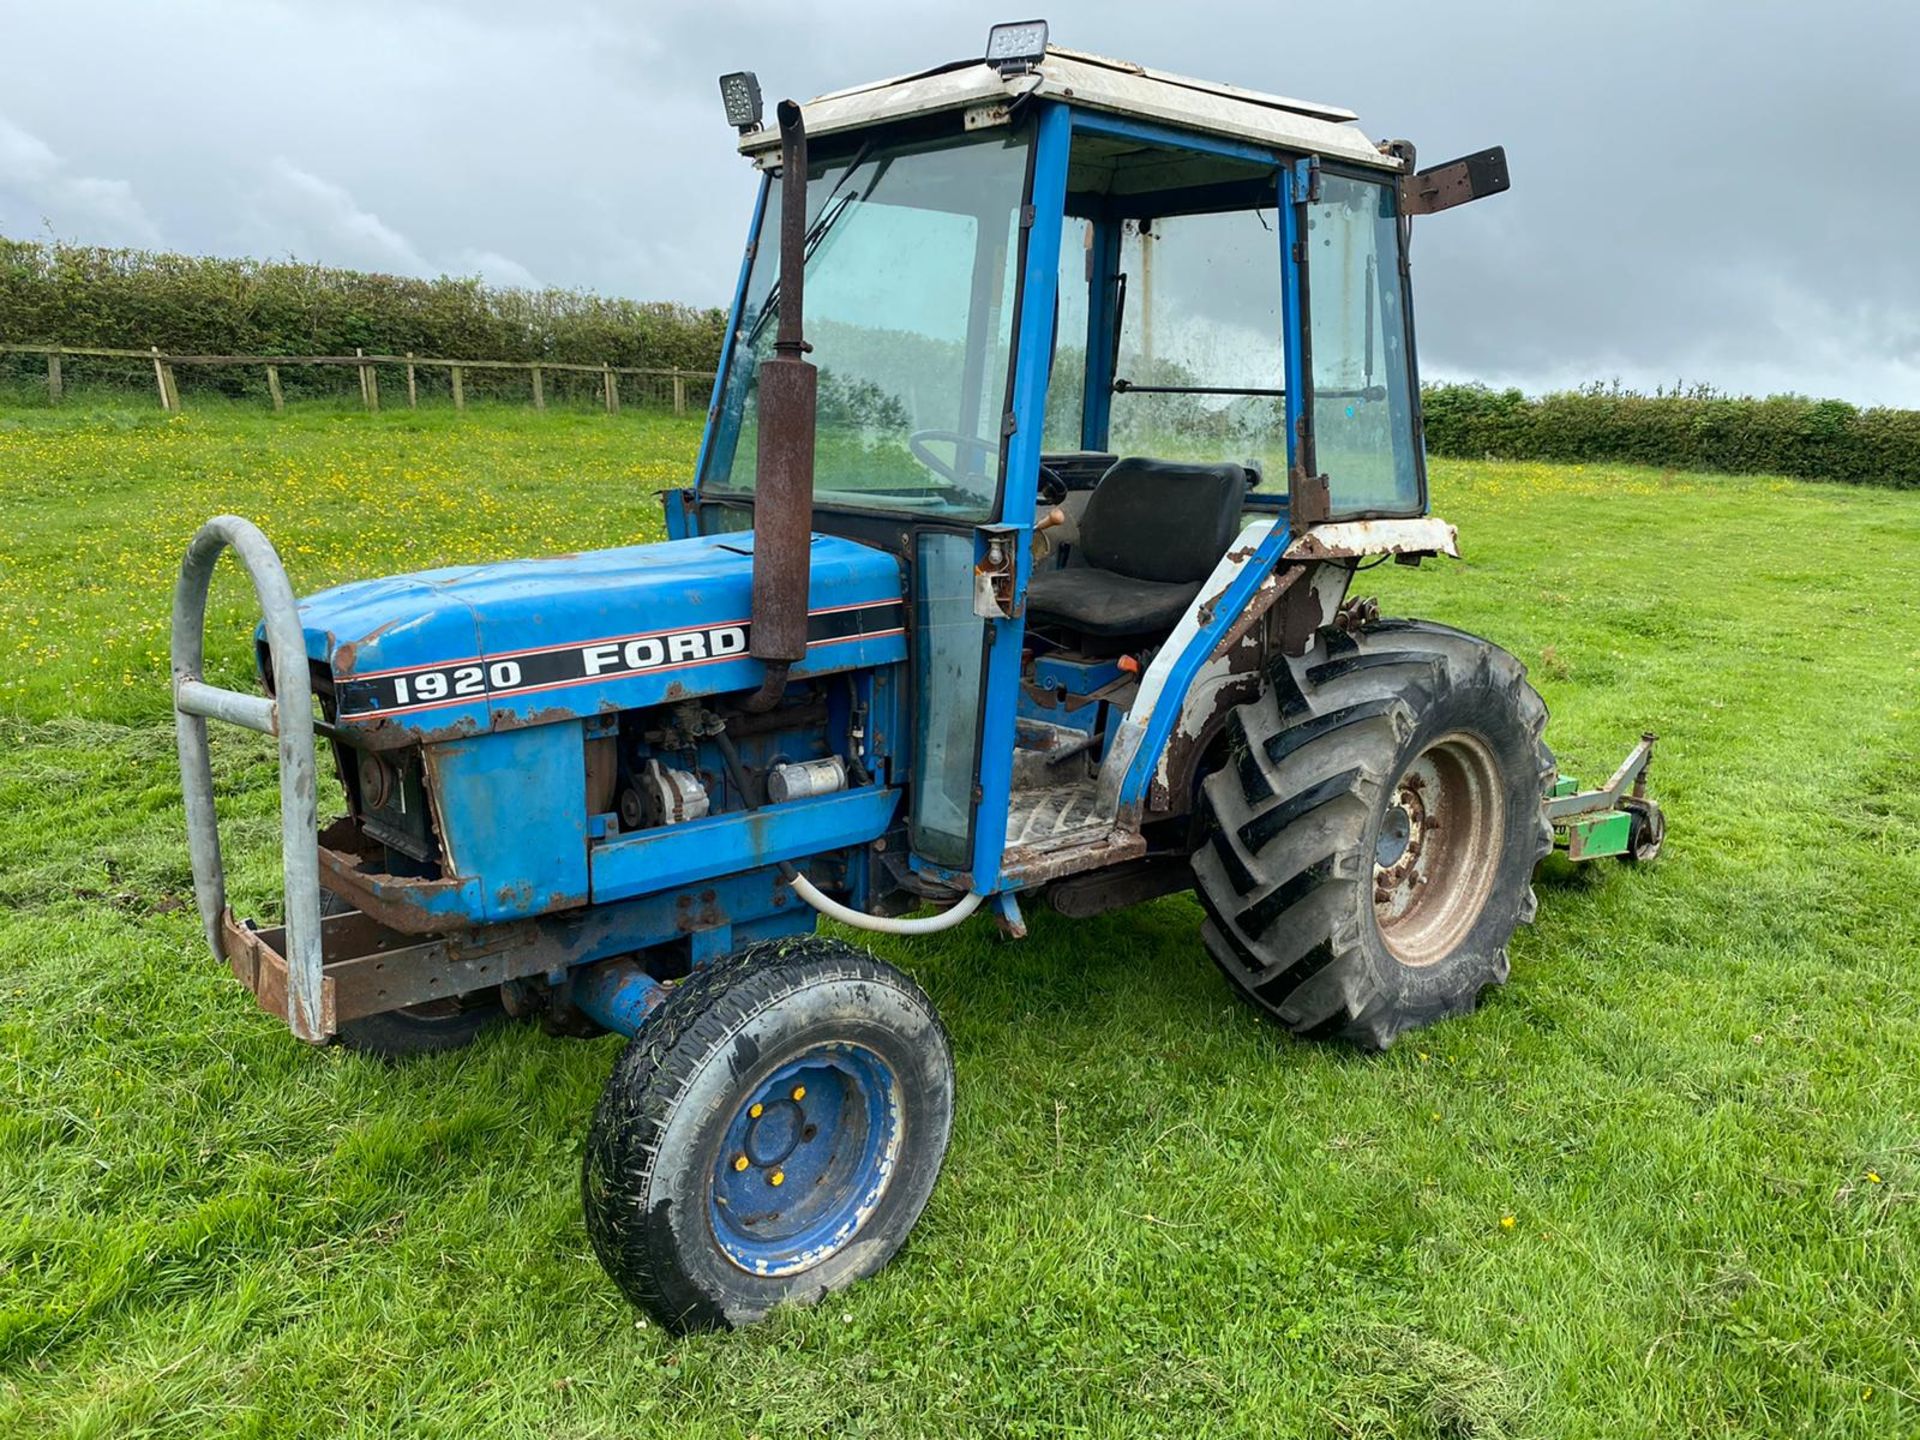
pixel 1663 1184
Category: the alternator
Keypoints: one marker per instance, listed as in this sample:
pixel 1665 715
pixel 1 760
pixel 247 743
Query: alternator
pixel 664 796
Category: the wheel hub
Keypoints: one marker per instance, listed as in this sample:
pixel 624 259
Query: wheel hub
pixel 774 1134
pixel 805 1160
pixel 1438 849
pixel 1396 835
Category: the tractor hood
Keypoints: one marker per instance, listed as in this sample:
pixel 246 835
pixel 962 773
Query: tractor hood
pixel 473 648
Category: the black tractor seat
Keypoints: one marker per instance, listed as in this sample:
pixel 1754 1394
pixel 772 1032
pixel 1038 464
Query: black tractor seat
pixel 1152 532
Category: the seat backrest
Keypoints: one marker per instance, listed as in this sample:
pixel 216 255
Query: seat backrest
pixel 1164 520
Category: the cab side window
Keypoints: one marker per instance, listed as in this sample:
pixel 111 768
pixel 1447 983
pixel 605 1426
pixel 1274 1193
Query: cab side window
pixel 1201 361
pixel 1363 402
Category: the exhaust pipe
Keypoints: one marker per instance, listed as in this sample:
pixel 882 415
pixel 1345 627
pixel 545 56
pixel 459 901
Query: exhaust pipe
pixel 783 495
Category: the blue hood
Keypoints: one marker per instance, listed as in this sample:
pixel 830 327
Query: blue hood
pixel 480 647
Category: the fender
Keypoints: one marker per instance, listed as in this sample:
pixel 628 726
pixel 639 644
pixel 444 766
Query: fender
pixel 1213 659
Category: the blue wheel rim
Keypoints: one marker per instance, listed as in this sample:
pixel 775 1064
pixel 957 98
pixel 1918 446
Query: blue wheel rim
pixel 805 1160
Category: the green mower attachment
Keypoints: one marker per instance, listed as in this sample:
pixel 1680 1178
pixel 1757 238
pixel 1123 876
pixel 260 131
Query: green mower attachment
pixel 1617 819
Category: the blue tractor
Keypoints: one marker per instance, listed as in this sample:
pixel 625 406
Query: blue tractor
pixel 1061 402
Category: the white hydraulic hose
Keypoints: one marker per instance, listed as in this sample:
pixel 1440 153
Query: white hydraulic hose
pixel 885 925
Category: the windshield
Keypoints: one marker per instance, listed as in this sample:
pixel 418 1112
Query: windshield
pixel 912 254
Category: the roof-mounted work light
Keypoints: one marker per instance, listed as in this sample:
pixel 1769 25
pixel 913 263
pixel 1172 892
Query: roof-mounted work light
pixel 1017 46
pixel 740 93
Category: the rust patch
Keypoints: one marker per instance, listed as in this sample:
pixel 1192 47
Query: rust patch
pixel 383 732
pixel 1349 539
pixel 698 912
pixel 400 902
pixel 1271 589
pixel 551 715
pixel 1028 866
pixel 1302 616
pixel 347 655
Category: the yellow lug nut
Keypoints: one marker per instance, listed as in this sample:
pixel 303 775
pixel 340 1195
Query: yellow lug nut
pixel 754 1111
pixel 799 1092
pixel 740 1163
pixel 779 1177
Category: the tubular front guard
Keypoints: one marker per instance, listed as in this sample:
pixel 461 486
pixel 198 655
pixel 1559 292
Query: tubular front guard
pixel 288 979
pixel 709 884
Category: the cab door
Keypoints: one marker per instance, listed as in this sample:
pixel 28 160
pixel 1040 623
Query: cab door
pixel 1009 541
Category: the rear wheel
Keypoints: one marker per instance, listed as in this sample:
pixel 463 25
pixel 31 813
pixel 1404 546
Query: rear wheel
pixel 771 1134
pixel 1372 838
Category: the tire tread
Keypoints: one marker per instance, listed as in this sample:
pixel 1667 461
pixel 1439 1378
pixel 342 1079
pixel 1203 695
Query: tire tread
pixel 1282 875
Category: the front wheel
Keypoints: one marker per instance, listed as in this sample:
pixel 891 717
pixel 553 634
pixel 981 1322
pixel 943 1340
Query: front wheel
pixel 1372 838
pixel 771 1134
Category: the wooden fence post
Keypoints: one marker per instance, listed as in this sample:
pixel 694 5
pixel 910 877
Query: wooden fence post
pixel 679 393
pixel 611 383
pixel 273 389
pixel 369 381
pixel 459 395
pixel 55 389
pixel 413 392
pixel 163 378
pixel 539 390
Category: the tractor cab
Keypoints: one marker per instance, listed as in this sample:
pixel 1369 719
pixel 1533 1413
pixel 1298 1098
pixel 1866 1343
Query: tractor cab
pixel 1094 345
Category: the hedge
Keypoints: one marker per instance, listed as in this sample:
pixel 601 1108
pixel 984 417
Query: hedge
pixel 79 295
pixel 1689 430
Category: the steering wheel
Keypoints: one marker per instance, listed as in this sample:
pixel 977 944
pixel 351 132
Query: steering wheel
pixel 917 442
pixel 1053 489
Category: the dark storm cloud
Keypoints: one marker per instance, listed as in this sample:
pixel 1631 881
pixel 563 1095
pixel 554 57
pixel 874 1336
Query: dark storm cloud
pixel 1717 192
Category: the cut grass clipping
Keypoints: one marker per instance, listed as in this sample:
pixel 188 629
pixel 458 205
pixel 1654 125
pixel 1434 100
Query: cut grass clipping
pixel 1664 1183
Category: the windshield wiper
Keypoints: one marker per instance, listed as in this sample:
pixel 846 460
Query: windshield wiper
pixel 829 216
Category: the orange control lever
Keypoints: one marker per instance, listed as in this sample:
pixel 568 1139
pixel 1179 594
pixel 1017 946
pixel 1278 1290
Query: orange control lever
pixel 1041 544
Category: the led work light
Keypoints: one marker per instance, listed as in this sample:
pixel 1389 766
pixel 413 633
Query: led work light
pixel 740 93
pixel 1017 45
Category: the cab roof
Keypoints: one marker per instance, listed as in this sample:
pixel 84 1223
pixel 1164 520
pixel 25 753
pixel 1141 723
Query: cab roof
pixel 1092 82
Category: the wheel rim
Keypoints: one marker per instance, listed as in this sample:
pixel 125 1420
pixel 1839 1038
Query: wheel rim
pixel 1438 849
pixel 805 1160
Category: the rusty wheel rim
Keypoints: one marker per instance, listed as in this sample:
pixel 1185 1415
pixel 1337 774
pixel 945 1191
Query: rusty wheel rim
pixel 1438 850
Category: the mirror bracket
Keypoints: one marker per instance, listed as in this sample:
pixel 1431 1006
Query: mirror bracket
pixel 1441 187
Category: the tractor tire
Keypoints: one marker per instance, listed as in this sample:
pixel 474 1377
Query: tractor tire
pixel 431 1028
pixel 1371 840
pixel 770 1135
pixel 1646 832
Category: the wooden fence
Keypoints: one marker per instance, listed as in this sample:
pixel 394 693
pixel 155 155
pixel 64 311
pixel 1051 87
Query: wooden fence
pixel 163 379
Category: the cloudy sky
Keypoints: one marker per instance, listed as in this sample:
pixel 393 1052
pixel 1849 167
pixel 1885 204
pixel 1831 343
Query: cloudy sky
pixel 1724 191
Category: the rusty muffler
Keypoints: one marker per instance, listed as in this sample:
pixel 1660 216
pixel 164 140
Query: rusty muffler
pixel 783 493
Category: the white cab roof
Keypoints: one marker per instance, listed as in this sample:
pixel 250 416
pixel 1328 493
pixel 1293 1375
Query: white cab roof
pixel 1094 82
